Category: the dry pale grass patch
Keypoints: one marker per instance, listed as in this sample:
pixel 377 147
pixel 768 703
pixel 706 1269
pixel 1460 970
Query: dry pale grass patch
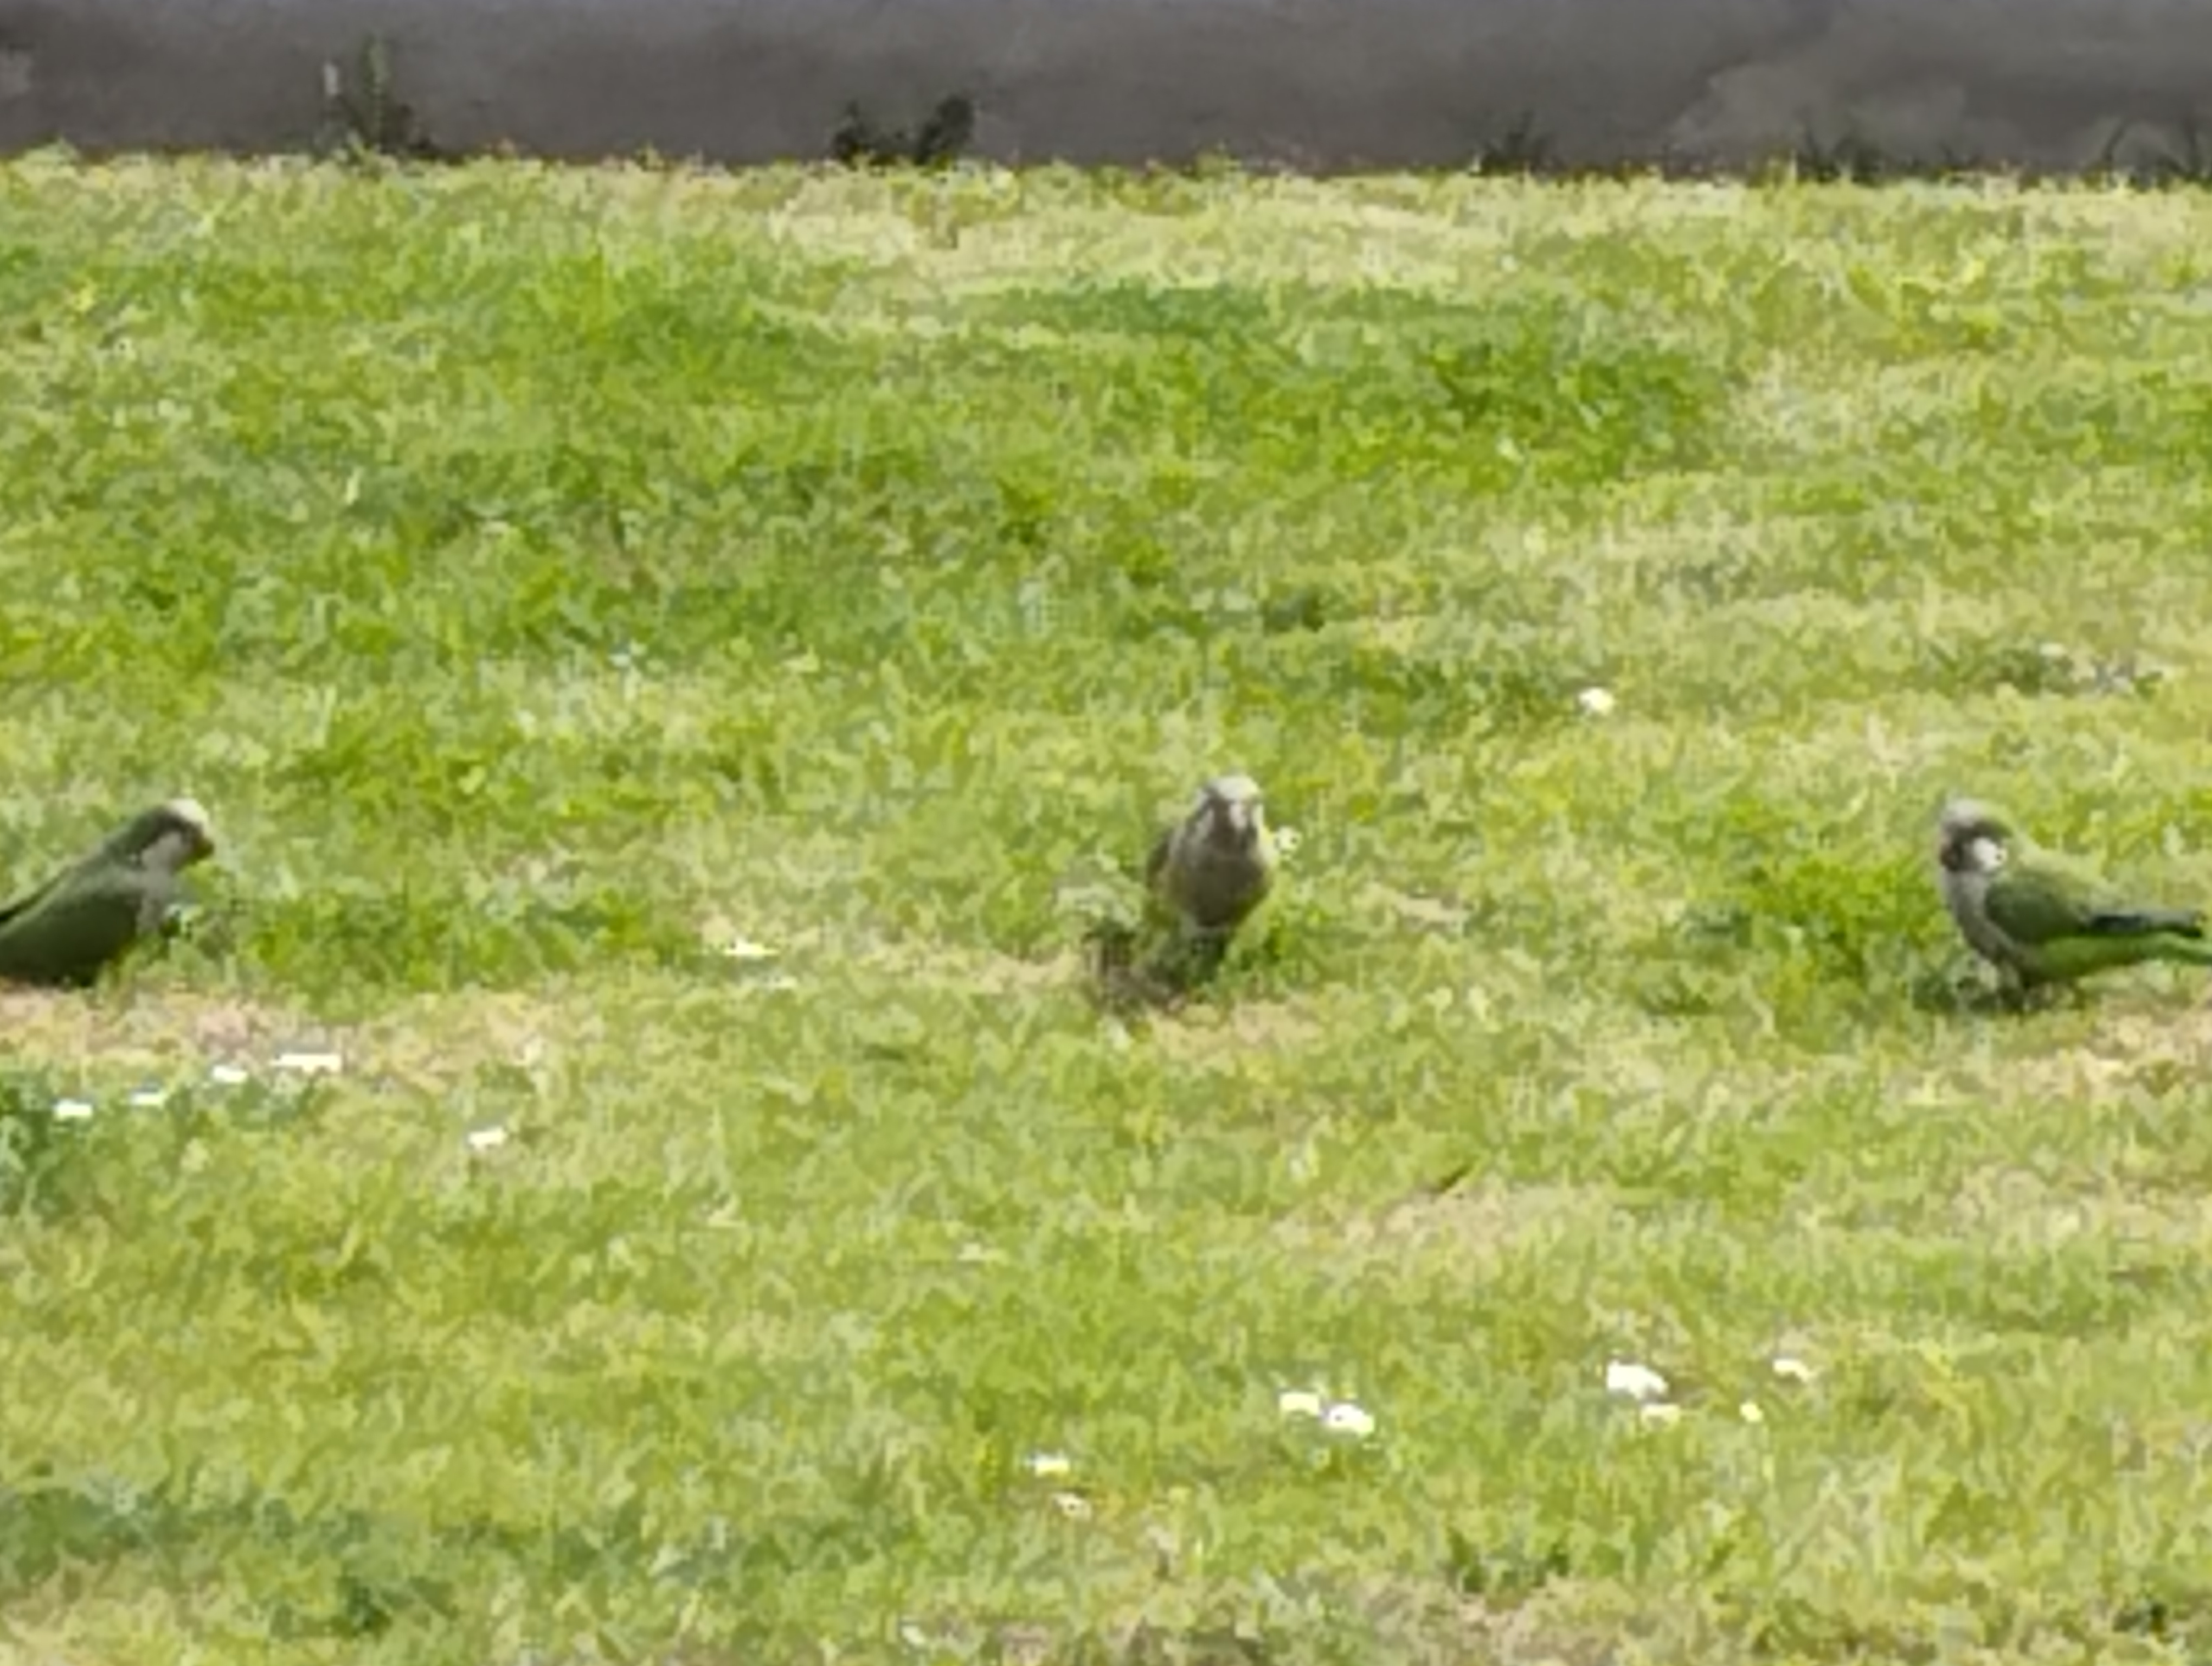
pixel 1469 1222
pixel 146 1028
pixel 2029 1212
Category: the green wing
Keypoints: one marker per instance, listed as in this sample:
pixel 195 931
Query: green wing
pixel 68 932
pixel 2040 903
pixel 21 905
pixel 31 899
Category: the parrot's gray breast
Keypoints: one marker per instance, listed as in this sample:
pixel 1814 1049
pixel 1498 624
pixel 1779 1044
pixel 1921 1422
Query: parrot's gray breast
pixel 1966 895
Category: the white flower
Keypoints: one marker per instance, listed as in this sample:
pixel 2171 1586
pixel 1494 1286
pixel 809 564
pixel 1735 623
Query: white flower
pixel 1791 1370
pixel 1049 1466
pixel 1749 1411
pixel 72 1110
pixel 1659 1415
pixel 1596 702
pixel 1345 1418
pixel 1298 1403
pixel 1072 1506
pixel 309 1064
pixel 744 948
pixel 1641 1382
pixel 228 1075
pixel 1287 840
pixel 484 1139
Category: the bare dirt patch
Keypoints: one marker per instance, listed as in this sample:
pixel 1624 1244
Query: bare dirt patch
pixel 1221 1036
pixel 2138 1040
pixel 2026 1211
pixel 1473 1223
pixel 148 1029
pixel 977 973
pixel 1421 1623
pixel 428 1043
pixel 437 1041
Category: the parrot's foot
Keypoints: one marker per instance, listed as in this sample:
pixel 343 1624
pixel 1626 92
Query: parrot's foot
pixel 1108 946
pixel 1956 993
pixel 2020 1000
pixel 1129 990
pixel 2042 997
pixel 1193 959
pixel 1187 962
pixel 1127 974
pixel 1118 983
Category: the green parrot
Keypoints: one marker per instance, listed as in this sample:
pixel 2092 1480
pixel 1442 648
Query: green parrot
pixel 70 929
pixel 2041 919
pixel 1210 870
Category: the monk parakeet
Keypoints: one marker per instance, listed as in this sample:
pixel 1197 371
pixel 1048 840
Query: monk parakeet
pixel 2042 919
pixel 1208 872
pixel 72 927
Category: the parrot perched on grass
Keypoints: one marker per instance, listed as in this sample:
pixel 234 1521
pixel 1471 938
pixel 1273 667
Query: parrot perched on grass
pixel 1207 873
pixel 2041 919
pixel 1203 877
pixel 70 929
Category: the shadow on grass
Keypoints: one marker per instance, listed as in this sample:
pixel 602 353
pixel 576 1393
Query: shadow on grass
pixel 1966 994
pixel 446 940
pixel 380 1569
pixel 36 1149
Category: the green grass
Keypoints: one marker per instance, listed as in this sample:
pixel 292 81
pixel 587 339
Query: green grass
pixel 542 575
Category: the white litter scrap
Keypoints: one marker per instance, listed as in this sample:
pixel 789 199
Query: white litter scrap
pixel 1049 1466
pixel 1595 702
pixel 304 1063
pixel 1353 1422
pixel 1634 1381
pixel 1792 1370
pixel 72 1110
pixel 755 965
pixel 1336 1417
pixel 149 1098
pixel 228 1075
pixel 481 1140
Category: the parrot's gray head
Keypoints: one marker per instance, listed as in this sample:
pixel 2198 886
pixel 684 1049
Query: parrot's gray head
pixel 1228 814
pixel 170 835
pixel 1973 838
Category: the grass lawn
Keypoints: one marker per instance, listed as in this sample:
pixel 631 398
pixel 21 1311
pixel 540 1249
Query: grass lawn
pixel 545 576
